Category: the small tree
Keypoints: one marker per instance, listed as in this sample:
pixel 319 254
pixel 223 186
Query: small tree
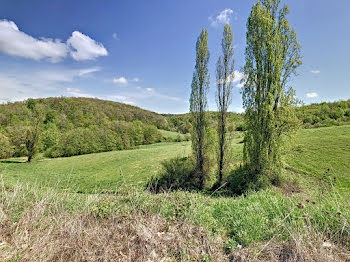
pixel 198 106
pixel 224 76
pixel 272 56
pixel 34 130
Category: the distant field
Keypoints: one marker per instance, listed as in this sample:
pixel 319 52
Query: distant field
pixel 172 135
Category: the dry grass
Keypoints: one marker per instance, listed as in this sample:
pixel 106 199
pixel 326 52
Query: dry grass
pixel 38 225
pixel 295 250
pixel 46 232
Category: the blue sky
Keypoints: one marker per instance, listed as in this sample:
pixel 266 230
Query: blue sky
pixel 143 52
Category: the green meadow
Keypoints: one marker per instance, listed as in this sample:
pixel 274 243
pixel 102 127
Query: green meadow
pixel 308 209
pixel 314 152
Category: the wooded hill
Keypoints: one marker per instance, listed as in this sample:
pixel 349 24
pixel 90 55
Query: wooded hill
pixel 74 126
pixel 311 116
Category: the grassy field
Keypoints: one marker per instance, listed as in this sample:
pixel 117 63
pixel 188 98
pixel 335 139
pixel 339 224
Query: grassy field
pixel 172 136
pixel 100 172
pixel 259 226
pixel 318 150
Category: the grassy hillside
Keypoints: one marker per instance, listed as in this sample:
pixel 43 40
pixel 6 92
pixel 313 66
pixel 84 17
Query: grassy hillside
pixel 109 171
pixel 315 151
pixel 288 222
pixel 324 153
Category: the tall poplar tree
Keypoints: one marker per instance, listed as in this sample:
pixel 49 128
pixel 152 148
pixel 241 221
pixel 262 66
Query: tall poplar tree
pixel 224 77
pixel 198 107
pixel 272 55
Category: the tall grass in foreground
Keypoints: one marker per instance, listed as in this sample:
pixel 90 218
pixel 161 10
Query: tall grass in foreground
pixel 45 225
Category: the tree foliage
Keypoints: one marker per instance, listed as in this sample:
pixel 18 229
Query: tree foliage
pixel 6 150
pixel 198 107
pixel 74 126
pixel 224 77
pixel 272 56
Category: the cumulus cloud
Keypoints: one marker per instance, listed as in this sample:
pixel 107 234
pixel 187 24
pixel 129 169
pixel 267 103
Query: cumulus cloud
pixel 315 71
pixel 120 80
pixel 16 43
pixel 223 18
pixel 149 89
pixel 312 95
pixel 136 79
pixel 85 48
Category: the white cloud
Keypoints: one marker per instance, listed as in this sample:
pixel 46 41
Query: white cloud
pixel 120 80
pixel 149 89
pixel 312 95
pixel 87 71
pixel 223 18
pixel 136 79
pixel 315 71
pixel 115 36
pixel 64 75
pixel 85 47
pixel 16 43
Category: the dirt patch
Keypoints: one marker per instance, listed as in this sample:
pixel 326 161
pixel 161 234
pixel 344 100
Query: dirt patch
pixel 290 189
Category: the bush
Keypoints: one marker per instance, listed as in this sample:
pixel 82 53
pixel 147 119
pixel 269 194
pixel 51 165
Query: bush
pixel 6 150
pixel 241 181
pixel 177 174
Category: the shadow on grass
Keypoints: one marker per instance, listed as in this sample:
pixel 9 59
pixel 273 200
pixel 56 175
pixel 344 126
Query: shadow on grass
pixel 15 161
pixel 179 174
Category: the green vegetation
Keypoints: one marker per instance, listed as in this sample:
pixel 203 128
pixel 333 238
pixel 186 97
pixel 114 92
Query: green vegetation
pixel 198 109
pixel 272 56
pixel 267 199
pixel 324 114
pixel 76 126
pixel 224 76
pixel 305 212
pixel 104 172
pixel 324 153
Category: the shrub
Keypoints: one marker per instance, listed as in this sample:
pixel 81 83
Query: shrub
pixel 176 174
pixel 241 181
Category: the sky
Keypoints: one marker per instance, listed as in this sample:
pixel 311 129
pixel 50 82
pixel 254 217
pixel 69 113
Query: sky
pixel 143 52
